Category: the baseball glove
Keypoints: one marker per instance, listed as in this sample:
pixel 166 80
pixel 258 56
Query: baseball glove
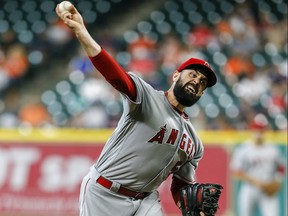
pixel 198 198
pixel 270 189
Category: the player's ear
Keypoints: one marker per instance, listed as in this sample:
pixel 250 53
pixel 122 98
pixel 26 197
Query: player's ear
pixel 175 75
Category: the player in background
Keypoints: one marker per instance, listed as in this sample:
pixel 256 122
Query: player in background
pixel 153 139
pixel 260 168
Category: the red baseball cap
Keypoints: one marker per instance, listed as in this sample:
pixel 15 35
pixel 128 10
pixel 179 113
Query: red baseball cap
pixel 203 67
pixel 258 125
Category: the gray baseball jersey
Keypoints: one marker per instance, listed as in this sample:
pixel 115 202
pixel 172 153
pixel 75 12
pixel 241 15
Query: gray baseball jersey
pixel 151 141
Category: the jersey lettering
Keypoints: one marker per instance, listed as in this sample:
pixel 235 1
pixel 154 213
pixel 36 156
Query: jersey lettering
pixel 190 147
pixel 159 136
pixel 186 143
pixel 182 142
pixel 173 136
pixel 176 167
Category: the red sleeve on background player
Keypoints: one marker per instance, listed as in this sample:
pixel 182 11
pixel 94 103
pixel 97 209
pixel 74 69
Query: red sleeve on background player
pixel 114 74
pixel 176 185
pixel 281 169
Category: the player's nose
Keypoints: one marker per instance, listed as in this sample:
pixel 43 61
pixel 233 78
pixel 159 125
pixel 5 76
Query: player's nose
pixel 196 81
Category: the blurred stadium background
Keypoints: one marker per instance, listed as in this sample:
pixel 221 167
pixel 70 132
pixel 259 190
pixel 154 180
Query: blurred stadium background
pixel 56 109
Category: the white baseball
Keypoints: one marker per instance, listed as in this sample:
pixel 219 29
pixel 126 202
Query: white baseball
pixel 64 6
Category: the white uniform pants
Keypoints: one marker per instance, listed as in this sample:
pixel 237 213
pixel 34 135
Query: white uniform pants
pixel 250 197
pixel 96 200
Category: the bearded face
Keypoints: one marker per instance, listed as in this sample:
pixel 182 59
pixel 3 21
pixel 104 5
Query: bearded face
pixel 185 93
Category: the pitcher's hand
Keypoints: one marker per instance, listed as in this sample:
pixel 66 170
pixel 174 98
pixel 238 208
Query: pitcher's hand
pixel 72 18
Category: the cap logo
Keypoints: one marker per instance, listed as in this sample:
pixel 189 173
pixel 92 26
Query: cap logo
pixel 206 64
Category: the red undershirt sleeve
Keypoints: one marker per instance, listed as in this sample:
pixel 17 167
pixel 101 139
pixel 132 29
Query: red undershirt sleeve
pixel 114 74
pixel 176 185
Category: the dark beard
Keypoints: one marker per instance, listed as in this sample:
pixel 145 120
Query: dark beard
pixel 182 96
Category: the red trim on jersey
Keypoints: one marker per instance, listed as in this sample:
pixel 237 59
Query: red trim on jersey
pixel 281 169
pixel 114 74
pixel 176 185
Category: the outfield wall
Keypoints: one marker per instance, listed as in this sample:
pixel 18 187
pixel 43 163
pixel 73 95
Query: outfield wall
pixel 41 170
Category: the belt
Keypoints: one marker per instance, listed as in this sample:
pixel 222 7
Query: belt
pixel 124 191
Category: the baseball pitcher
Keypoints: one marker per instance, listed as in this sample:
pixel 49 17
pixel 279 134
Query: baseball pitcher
pixel 154 139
